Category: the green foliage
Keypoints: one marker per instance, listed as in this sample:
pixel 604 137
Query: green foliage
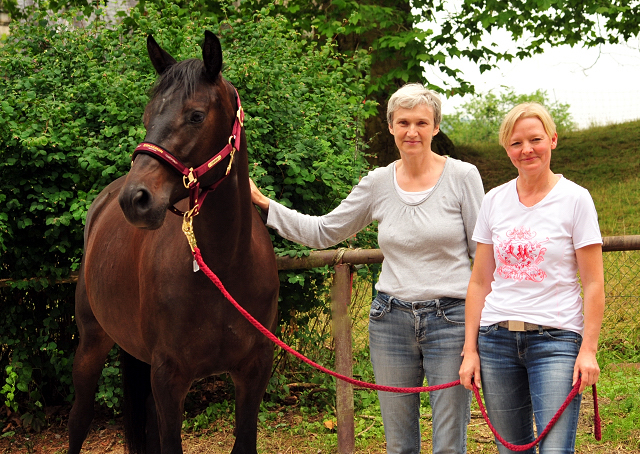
pixel 385 27
pixel 71 104
pixel 448 30
pixel 109 391
pixel 72 99
pixel 548 21
pixel 479 119
pixel 454 30
pixel 36 348
pixel 215 413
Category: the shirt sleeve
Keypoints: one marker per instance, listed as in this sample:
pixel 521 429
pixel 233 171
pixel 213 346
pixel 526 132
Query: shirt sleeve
pixel 348 218
pixel 471 202
pixel 482 231
pixel 586 230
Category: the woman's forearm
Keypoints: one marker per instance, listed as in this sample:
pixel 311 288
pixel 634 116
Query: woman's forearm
pixel 257 198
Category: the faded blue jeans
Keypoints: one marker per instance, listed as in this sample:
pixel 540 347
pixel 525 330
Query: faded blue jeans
pixel 525 374
pixel 410 341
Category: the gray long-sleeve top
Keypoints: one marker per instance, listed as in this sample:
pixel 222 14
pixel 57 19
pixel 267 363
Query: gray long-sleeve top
pixel 427 245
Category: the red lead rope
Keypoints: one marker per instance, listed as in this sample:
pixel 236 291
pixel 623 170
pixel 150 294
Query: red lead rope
pixel 574 391
pixel 596 418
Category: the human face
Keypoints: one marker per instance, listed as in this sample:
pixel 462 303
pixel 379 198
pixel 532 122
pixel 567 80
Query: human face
pixel 530 147
pixel 413 129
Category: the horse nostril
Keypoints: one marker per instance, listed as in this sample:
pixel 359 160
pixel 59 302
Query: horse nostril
pixel 141 207
pixel 141 199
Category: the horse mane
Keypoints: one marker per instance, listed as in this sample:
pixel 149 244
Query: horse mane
pixel 184 75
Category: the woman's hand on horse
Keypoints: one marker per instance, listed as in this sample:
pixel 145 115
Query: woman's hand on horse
pixel 258 198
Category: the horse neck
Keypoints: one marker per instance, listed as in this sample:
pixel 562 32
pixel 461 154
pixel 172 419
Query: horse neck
pixel 226 217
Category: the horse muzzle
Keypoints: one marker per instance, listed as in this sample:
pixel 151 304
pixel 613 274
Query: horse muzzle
pixel 140 208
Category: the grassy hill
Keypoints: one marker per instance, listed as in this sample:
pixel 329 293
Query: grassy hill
pixel 603 159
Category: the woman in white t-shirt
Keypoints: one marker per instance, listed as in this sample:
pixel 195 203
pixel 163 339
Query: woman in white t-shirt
pixel 526 336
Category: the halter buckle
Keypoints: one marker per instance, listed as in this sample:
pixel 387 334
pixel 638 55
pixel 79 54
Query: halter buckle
pixel 189 180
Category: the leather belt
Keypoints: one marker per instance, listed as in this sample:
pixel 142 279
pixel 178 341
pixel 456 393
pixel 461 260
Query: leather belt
pixel 515 325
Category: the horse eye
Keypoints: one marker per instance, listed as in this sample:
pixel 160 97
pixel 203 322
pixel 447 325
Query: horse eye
pixel 197 117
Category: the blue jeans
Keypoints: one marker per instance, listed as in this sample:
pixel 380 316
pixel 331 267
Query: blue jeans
pixel 527 375
pixel 409 341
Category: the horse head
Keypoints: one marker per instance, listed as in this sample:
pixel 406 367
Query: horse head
pixel 193 124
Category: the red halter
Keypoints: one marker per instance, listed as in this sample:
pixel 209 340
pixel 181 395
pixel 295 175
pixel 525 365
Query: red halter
pixel 190 176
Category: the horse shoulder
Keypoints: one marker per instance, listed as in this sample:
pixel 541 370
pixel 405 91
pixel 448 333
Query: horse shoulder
pixel 107 195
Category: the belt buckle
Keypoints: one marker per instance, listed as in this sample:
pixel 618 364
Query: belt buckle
pixel 515 325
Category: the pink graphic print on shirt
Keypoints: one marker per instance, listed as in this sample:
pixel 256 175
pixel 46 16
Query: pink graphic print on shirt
pixel 520 255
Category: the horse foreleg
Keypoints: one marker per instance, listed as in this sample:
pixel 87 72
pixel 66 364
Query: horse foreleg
pixel 170 387
pixel 87 367
pixel 153 435
pixel 250 385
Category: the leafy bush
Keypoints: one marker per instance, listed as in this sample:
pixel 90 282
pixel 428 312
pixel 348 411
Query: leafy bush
pixel 479 120
pixel 72 94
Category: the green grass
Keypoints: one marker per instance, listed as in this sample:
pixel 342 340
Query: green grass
pixel 621 323
pixel 619 402
pixel 617 203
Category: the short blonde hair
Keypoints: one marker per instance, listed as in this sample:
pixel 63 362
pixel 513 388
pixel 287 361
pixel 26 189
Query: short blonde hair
pixel 525 110
pixel 412 95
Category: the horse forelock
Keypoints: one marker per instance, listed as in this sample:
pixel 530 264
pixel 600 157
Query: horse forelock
pixel 184 76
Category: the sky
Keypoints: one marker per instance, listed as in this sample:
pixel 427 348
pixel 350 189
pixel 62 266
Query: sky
pixel 601 85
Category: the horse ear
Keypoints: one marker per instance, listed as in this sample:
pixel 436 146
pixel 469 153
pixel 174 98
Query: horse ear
pixel 212 55
pixel 160 59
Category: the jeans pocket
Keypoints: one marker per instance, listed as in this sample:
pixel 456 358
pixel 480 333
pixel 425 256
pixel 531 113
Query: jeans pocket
pixel 563 335
pixel 379 307
pixel 486 330
pixel 454 314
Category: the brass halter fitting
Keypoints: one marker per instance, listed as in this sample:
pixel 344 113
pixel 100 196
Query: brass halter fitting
pixel 240 115
pixel 188 180
pixel 233 152
pixel 187 229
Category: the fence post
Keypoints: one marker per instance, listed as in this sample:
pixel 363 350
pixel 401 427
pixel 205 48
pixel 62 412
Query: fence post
pixel 340 299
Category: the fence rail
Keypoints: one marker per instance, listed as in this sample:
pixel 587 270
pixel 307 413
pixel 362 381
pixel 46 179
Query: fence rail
pixel 368 256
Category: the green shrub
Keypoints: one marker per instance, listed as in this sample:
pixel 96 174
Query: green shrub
pixel 72 95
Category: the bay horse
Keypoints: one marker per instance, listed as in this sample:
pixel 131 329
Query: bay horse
pixel 138 287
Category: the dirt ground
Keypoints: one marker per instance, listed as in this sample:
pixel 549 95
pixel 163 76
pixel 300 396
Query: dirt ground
pixel 106 437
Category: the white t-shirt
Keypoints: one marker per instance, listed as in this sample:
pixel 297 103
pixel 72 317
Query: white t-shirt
pixel 535 279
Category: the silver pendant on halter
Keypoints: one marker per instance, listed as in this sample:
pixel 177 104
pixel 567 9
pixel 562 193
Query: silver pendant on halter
pixel 196 268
